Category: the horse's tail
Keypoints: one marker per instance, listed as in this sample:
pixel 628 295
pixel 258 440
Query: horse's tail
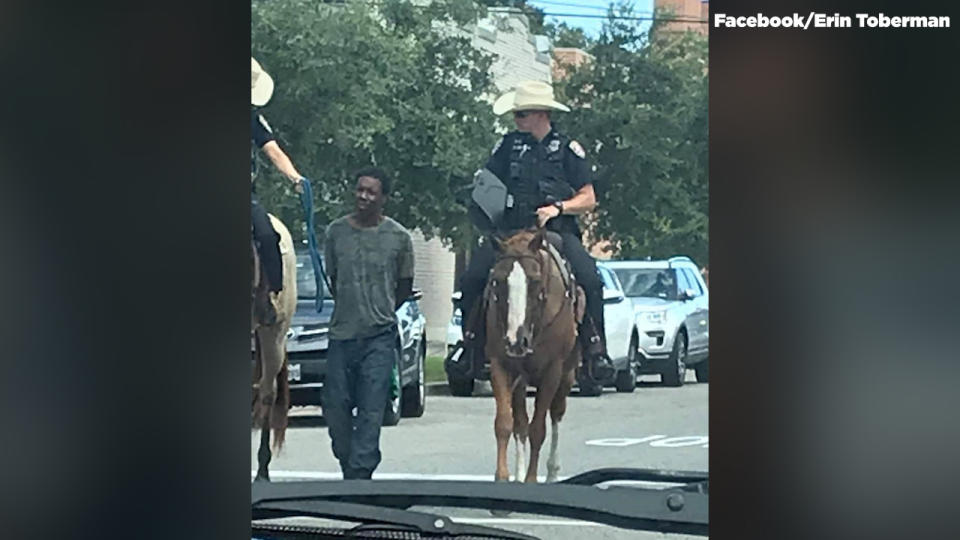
pixel 278 413
pixel 255 406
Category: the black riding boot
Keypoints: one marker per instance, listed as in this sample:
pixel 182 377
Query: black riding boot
pixel 268 246
pixel 594 343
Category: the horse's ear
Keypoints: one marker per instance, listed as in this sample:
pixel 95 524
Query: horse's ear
pixel 499 244
pixel 536 243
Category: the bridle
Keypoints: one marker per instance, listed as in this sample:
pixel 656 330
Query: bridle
pixel 543 258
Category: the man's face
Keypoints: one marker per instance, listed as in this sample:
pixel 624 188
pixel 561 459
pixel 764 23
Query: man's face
pixel 528 120
pixel 369 194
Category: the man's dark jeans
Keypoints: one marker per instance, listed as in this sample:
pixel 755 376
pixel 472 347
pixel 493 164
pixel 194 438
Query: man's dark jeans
pixel 358 375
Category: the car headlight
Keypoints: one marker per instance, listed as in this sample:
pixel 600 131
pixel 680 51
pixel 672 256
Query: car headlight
pixel 655 317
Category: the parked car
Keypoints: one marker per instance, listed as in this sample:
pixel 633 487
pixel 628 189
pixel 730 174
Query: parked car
pixel 672 312
pixel 618 315
pixel 307 344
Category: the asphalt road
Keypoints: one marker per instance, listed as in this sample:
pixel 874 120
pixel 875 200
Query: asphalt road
pixel 654 427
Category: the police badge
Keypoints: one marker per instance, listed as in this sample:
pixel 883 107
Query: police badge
pixel 577 149
pixel 554 146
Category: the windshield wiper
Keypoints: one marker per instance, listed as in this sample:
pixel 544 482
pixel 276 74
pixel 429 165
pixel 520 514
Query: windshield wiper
pixel 424 523
pixel 681 509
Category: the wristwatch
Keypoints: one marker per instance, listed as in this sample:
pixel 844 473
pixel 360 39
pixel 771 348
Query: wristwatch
pixel 559 206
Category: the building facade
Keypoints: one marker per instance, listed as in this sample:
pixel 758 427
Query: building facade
pixel 695 15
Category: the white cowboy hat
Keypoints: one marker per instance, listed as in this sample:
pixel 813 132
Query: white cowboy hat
pixel 261 85
pixel 528 96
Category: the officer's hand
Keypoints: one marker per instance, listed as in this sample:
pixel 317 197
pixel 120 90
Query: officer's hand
pixel 298 185
pixel 546 213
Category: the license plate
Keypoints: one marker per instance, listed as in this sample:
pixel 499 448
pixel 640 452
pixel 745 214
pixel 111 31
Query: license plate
pixel 293 372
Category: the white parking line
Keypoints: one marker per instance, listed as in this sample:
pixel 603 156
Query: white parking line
pixel 323 475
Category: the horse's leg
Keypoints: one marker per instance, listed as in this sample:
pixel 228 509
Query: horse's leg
pixel 521 426
pixel 263 455
pixel 538 426
pixel 557 410
pixel 271 350
pixel 503 423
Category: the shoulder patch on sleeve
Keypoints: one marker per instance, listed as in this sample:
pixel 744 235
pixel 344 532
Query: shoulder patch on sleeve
pixel 263 122
pixel 577 149
pixel 497 146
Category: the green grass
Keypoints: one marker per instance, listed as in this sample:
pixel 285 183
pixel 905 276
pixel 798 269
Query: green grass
pixel 434 369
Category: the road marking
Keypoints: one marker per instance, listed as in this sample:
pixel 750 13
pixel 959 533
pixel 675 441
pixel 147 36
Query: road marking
pixel 624 442
pixel 677 442
pixel 656 441
pixel 323 475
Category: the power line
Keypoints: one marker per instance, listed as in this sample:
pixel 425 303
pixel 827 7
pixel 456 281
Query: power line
pixel 564 4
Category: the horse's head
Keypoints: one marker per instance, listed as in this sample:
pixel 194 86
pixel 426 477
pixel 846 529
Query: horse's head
pixel 518 281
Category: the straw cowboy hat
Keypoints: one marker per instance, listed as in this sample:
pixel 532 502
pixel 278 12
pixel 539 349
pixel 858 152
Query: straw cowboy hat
pixel 528 96
pixel 261 85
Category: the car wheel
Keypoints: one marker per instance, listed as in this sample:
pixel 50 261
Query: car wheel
pixel 627 378
pixel 588 386
pixel 703 370
pixel 676 371
pixel 415 395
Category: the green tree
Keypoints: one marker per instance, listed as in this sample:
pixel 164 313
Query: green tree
pixel 393 84
pixel 562 35
pixel 641 110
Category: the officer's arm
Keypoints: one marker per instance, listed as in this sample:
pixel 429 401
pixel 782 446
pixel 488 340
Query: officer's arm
pixel 582 201
pixel 281 161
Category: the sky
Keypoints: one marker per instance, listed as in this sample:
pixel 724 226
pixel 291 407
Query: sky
pixel 591 26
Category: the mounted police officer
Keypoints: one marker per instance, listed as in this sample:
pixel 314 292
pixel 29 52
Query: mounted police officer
pixel 548 184
pixel 267 240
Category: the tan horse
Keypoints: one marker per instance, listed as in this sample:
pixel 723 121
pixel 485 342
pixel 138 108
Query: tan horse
pixel 531 340
pixel 271 391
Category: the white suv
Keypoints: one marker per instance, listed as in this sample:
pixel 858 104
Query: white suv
pixel 672 310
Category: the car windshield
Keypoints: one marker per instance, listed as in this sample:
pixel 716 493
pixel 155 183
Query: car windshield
pixel 306 283
pixel 648 282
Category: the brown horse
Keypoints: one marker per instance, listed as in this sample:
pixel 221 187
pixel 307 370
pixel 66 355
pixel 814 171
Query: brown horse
pixel 271 391
pixel 532 318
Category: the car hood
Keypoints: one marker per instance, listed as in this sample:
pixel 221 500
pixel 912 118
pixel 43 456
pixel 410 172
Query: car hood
pixel 646 303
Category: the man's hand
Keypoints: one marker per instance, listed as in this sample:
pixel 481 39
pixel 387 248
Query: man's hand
pixel 298 184
pixel 545 214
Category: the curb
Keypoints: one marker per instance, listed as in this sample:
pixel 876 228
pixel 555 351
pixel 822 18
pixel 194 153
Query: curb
pixel 438 389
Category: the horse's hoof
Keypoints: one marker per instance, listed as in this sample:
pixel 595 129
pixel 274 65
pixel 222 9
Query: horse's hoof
pixel 262 478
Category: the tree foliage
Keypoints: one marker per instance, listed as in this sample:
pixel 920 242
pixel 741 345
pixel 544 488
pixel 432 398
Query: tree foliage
pixel 393 84
pixel 640 108
pixel 562 35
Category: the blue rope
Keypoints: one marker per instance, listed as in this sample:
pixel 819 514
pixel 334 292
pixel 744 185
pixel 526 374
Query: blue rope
pixel 306 199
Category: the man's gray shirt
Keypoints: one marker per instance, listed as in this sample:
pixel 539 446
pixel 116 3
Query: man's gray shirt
pixel 365 265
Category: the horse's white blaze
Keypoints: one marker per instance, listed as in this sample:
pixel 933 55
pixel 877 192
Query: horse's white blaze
pixel 553 461
pixel 516 301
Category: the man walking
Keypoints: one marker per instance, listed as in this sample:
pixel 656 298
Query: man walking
pixel 370 263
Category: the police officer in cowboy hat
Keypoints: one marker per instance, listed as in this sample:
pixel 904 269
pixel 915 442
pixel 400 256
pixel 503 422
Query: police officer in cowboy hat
pixel 548 180
pixel 267 240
